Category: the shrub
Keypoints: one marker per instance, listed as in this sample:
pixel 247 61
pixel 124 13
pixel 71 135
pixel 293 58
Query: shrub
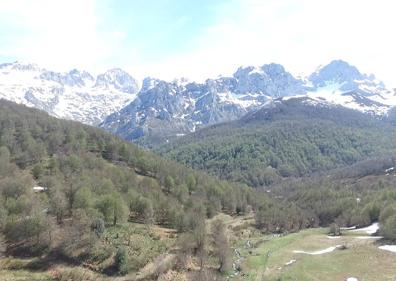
pixel 98 227
pixel 334 229
pixel 120 261
pixel 389 228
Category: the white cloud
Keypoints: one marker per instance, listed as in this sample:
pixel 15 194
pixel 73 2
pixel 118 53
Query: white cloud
pixel 58 34
pixel 299 34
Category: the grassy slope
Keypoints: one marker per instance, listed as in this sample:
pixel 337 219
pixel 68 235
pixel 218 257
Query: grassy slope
pixel 362 259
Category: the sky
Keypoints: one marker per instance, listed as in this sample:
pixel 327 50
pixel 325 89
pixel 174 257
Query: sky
pixel 199 39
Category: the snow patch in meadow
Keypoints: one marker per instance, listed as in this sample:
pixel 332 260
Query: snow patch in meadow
pixel 324 251
pixel 368 237
pixel 290 262
pixel 371 229
pixel 348 228
pixel 391 248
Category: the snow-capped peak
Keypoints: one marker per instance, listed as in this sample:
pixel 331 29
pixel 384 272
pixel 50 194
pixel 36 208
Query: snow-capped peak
pixel 183 81
pixel 149 83
pixel 70 95
pixel 343 84
pixel 20 66
pixel 335 71
pixel 181 106
pixel 271 80
pixel 119 79
pixel 73 78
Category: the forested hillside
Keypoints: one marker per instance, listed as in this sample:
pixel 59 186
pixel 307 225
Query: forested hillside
pixel 357 195
pixel 288 138
pixel 63 185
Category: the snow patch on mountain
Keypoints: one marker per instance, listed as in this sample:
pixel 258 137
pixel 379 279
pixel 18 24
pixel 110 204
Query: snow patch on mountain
pixel 190 105
pixel 342 84
pixel 113 101
pixel 74 95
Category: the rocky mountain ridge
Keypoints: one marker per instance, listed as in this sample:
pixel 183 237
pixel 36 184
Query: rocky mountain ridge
pixel 161 109
pixel 74 95
pixel 165 109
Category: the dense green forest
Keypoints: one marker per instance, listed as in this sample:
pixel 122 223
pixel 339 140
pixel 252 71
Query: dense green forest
pixel 291 138
pixel 356 195
pixel 74 193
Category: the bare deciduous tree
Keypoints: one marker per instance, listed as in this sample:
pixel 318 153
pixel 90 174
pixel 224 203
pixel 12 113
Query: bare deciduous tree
pixel 221 245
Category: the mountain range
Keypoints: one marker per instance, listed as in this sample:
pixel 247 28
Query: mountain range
pixel 159 109
pixel 74 95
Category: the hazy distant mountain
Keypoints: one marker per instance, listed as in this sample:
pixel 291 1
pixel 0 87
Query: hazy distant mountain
pixel 74 95
pixel 343 84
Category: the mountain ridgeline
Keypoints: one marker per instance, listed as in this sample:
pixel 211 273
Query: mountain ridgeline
pixel 157 110
pixel 74 95
pixel 162 110
pixel 288 137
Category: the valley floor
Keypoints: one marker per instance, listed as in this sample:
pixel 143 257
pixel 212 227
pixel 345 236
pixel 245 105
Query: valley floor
pixel 309 255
